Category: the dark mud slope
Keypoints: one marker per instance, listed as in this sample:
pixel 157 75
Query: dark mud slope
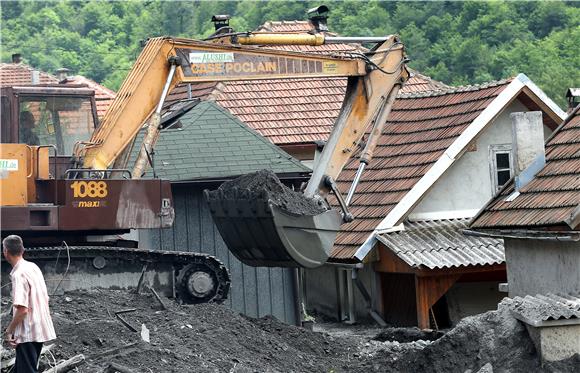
pixel 265 184
pixel 493 338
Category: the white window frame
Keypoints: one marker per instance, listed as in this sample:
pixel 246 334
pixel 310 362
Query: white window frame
pixel 499 149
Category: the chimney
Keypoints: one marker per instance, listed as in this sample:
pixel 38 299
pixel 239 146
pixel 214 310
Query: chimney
pixel 35 77
pixel 62 74
pixel 16 58
pixel 220 20
pixel 573 96
pixel 318 17
pixel 527 146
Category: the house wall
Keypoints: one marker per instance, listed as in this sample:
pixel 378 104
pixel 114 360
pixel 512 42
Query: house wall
pixel 468 181
pixel 471 298
pixel 540 267
pixel 322 289
pixel 254 292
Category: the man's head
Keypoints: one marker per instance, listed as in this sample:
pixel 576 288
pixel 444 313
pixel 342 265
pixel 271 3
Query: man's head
pixel 13 248
pixel 26 120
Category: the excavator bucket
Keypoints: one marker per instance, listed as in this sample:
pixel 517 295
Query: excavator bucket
pixel 262 234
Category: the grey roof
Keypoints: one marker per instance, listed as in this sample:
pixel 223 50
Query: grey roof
pixel 543 309
pixel 211 143
pixel 442 244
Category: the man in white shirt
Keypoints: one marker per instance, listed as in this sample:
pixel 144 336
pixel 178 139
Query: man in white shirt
pixel 31 323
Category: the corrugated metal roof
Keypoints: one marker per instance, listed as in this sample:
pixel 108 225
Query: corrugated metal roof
pixel 420 128
pixel 442 244
pixel 538 309
pixel 554 193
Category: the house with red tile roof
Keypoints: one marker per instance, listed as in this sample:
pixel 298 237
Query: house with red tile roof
pixel 18 73
pixel 537 214
pixel 442 156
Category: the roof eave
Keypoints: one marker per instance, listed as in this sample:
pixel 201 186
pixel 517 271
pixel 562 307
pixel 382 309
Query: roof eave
pixel 454 152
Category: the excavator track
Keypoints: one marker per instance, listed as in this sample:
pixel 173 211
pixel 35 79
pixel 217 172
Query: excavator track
pixel 191 277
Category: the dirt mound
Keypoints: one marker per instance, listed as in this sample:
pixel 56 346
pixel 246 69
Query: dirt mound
pixel 213 338
pixel 266 185
pixel 185 338
pixel 405 335
pixel 494 338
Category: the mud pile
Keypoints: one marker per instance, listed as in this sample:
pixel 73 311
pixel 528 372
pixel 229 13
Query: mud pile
pixel 265 184
pixel 183 338
pixel 213 338
pixel 490 342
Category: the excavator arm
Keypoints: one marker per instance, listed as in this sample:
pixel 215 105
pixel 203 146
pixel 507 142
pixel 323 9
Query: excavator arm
pixel 166 62
pixel 374 79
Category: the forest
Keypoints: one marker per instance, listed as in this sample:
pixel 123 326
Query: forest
pixel 458 43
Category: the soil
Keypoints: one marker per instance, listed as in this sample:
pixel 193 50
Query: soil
pixel 406 335
pixel 266 185
pixel 213 338
pixel 493 340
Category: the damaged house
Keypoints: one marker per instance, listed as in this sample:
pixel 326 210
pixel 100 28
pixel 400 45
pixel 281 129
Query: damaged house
pixel 538 216
pixel 443 154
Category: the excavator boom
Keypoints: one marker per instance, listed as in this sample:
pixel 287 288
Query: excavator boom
pixel 373 82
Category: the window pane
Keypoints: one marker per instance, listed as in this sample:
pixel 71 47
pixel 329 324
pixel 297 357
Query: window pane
pixel 503 160
pixel 503 177
pixel 60 121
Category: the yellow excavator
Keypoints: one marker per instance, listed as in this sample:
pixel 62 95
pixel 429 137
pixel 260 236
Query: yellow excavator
pixel 49 196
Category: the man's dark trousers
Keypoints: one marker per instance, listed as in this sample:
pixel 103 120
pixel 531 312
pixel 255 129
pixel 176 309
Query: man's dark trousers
pixel 27 355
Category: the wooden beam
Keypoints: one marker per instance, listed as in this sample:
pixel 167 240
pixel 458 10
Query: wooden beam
pixel 391 263
pixel 428 290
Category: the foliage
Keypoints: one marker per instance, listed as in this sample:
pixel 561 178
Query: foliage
pixel 455 42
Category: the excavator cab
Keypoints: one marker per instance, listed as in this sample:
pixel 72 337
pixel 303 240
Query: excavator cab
pixel 53 117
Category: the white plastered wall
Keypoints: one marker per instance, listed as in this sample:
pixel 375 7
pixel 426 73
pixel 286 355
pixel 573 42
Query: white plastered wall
pixel 466 186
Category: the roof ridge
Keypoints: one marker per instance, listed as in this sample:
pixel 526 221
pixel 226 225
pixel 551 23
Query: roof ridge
pixel 456 89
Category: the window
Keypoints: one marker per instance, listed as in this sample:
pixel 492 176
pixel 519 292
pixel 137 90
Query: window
pixel 501 166
pixel 60 121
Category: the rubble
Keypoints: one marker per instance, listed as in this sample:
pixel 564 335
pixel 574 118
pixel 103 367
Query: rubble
pixel 213 338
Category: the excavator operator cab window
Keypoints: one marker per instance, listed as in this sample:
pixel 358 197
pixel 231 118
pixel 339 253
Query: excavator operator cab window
pixel 55 120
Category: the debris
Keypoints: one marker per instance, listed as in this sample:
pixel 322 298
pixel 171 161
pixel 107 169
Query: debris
pixel 141 278
pixel 126 311
pixel 118 368
pixel 124 322
pixel 487 368
pixel 214 338
pixel 157 297
pixel 113 351
pixel 144 333
pixel 67 365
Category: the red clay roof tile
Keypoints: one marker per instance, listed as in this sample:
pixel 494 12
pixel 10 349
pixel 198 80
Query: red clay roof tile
pixel 420 128
pixel 12 74
pixel 554 193
pixel 290 111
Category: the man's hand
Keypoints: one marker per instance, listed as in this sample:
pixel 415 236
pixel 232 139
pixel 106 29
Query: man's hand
pixel 11 341
pixel 9 338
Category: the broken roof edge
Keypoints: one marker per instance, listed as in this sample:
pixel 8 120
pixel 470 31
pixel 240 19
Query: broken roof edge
pixel 454 152
pixel 562 236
